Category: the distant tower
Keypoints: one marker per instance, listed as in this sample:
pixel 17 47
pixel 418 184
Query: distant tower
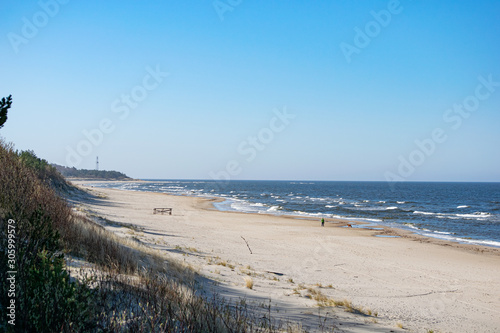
pixel 97 163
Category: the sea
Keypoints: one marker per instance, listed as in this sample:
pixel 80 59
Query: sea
pixel 461 212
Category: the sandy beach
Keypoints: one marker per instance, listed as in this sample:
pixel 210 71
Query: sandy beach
pixel 405 283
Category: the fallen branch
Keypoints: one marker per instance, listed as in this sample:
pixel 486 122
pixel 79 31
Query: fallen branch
pixel 247 245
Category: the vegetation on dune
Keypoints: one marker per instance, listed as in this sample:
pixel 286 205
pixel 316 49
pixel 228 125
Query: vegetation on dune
pixel 128 288
pixel 90 174
pixel 46 298
pixel 44 171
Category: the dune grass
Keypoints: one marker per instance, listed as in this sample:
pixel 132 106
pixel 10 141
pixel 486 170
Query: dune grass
pixel 248 282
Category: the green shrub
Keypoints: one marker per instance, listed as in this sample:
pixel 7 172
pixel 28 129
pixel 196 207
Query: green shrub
pixel 46 299
pixel 50 300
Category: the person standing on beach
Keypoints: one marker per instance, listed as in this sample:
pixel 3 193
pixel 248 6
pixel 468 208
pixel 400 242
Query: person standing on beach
pixel 322 222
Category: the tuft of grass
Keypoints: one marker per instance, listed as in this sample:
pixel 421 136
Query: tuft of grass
pixel 347 304
pixel 248 272
pixel 248 282
pixel 297 290
pixel 317 295
pixel 225 263
pixel 325 301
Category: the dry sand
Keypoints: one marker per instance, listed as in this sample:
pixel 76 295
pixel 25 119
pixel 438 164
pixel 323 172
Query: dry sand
pixel 418 283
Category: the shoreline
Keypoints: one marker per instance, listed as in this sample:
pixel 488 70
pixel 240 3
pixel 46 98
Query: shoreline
pixel 390 231
pixel 421 283
pixel 377 230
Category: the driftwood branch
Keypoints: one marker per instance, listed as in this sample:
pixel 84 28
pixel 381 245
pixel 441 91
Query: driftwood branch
pixel 247 245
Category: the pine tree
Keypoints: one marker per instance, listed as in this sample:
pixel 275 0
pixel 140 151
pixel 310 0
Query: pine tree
pixel 5 105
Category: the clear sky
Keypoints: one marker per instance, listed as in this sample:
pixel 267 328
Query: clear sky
pixel 239 89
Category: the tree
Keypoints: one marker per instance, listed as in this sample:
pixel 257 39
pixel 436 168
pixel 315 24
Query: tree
pixel 5 105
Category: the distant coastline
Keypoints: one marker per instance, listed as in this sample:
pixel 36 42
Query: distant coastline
pixel 86 174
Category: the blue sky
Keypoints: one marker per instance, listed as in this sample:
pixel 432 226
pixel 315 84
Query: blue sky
pixel 324 90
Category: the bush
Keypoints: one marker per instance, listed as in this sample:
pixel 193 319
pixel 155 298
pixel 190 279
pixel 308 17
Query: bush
pixel 46 299
pixel 47 173
pixel 51 300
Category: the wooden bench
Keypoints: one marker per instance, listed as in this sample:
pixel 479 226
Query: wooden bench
pixel 162 211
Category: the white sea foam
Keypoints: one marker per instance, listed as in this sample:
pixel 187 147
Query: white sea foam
pixel 464 240
pixel 274 209
pixel 476 215
pixel 463 206
pixel 483 242
pixel 391 208
pixel 450 217
pixel 423 213
pixel 442 232
pixel 444 235
pixel 301 213
pixel 360 219
pixel 411 226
